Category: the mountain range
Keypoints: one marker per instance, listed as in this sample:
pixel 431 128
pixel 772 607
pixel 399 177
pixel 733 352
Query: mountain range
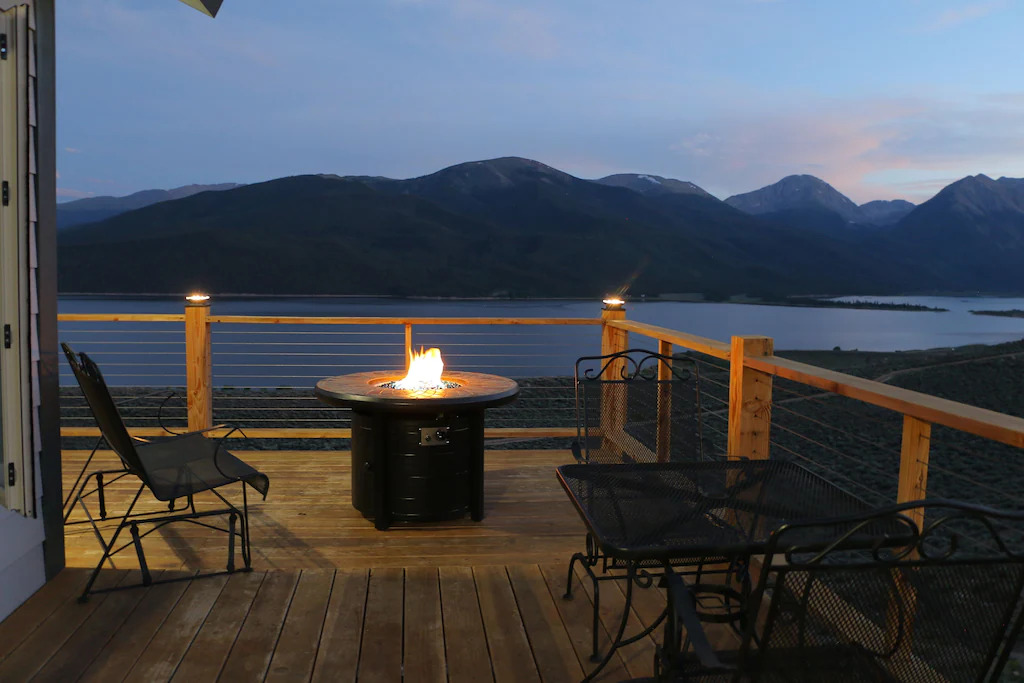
pixel 797 193
pixel 516 227
pixel 92 209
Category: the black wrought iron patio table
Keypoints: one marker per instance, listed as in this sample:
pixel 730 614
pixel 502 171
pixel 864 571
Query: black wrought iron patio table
pixel 663 513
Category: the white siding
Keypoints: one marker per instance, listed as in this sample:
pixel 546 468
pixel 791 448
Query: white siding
pixel 22 569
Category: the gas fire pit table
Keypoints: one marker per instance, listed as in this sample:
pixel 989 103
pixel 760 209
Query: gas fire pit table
pixel 417 455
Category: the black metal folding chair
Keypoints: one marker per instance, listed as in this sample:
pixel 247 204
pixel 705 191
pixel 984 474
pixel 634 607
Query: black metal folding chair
pixel 634 406
pixel 835 601
pixel 171 468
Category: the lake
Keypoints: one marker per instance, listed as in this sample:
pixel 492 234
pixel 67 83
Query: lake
pixel 292 355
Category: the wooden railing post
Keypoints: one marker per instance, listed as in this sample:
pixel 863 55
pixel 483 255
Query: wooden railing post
pixel 408 346
pixel 198 362
pixel 613 399
pixel 664 439
pixel 913 483
pixel 750 400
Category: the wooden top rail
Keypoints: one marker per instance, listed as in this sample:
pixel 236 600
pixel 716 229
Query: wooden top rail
pixel 122 317
pixel 323 320
pixel 323 433
pixel 979 421
pixel 711 347
pixel 319 320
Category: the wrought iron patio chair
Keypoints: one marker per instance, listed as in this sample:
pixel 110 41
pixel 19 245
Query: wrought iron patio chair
pixel 81 483
pixel 836 601
pixel 638 406
pixel 635 406
pixel 171 468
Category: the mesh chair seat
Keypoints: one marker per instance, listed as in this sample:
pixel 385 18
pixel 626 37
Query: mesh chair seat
pixel 180 466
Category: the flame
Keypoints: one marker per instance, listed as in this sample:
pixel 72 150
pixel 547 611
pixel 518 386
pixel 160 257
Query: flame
pixel 425 370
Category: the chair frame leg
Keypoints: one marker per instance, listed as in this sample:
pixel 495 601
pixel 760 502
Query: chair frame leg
pixel 238 525
pixel 81 494
pixel 69 502
pixel 147 579
pixel 107 547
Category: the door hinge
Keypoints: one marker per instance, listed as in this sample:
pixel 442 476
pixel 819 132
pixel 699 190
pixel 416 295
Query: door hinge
pixel 6 193
pixel 3 46
pixel 7 336
pixel 12 475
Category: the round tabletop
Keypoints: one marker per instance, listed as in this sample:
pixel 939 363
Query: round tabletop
pixel 363 390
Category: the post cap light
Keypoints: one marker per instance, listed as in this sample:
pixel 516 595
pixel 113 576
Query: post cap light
pixel 197 299
pixel 613 303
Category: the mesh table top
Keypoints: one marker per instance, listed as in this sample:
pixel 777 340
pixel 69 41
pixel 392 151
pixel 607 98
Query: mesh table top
pixel 676 510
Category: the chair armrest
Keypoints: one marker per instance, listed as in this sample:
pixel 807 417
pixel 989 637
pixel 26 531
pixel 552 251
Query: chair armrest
pixel 683 604
pixel 160 410
pixel 577 452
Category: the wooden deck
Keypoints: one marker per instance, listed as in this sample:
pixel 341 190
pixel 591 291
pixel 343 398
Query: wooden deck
pixel 455 624
pixel 308 520
pixel 332 599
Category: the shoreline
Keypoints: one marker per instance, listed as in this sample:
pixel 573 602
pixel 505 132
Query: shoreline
pixel 1012 313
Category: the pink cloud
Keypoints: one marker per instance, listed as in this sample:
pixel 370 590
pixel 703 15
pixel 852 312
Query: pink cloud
pixel 956 16
pixel 867 149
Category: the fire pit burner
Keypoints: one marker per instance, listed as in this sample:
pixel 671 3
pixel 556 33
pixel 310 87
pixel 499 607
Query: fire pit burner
pixel 444 385
pixel 417 455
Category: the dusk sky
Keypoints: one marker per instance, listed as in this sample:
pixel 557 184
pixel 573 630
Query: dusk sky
pixel 883 99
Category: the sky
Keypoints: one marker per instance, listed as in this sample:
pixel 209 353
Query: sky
pixel 883 99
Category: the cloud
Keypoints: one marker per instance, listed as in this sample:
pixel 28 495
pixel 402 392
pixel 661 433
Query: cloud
pixel 961 15
pixel 697 145
pixel 72 150
pixel 868 149
pixel 510 27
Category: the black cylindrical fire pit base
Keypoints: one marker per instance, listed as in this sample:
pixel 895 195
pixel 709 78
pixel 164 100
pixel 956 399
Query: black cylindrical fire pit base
pixel 430 466
pixel 417 455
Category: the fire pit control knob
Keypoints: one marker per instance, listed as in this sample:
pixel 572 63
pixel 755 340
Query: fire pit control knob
pixel 432 436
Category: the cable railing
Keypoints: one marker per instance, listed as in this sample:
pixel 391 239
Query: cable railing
pixel 884 442
pixel 870 437
pixel 263 369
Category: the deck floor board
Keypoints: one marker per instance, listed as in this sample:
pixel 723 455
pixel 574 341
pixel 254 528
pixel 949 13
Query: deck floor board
pixel 488 623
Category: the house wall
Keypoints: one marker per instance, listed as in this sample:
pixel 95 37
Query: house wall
pixel 22 568
pixel 32 548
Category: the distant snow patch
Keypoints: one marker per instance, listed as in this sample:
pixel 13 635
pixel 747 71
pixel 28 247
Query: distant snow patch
pixel 650 179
